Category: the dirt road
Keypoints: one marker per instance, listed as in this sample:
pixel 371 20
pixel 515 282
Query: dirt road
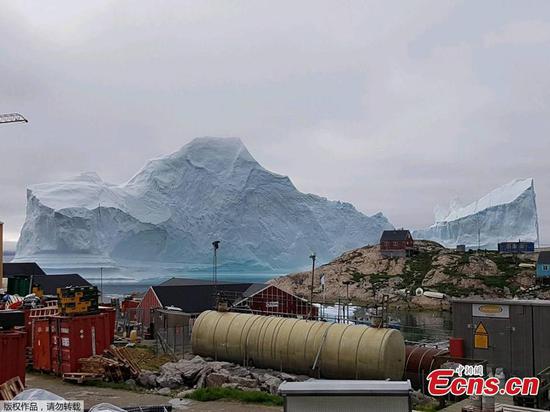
pixel 93 395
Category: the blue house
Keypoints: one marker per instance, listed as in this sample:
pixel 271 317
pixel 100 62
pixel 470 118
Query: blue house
pixel 516 247
pixel 543 265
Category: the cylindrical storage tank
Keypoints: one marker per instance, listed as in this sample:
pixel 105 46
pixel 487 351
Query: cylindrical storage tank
pixel 337 351
pixel 420 361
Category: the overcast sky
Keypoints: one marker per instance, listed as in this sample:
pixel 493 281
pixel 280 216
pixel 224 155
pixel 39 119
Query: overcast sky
pixel 393 106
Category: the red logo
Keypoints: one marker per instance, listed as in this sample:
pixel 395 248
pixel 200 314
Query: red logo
pixel 443 382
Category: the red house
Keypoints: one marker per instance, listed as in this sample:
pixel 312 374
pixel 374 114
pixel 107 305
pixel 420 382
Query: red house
pixel 195 297
pixel 271 300
pixel 396 243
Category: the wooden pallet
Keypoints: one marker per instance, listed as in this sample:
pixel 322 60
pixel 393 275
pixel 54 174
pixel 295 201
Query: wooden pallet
pixel 116 364
pixel 80 377
pixel 11 388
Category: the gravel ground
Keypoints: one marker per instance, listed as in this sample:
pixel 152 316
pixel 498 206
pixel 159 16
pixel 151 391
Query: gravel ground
pixel 93 395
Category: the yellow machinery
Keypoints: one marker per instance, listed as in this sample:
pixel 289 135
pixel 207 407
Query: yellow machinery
pixel 77 300
pixel 328 350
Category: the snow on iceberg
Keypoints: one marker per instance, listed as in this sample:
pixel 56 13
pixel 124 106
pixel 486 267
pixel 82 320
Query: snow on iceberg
pixel 172 209
pixel 508 213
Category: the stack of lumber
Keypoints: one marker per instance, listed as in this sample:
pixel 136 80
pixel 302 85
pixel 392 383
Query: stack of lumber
pixel 116 365
pixel 80 377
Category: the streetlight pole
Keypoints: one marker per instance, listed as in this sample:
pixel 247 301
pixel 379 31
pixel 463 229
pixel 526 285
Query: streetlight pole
pixel 216 246
pixel 347 283
pixel 312 257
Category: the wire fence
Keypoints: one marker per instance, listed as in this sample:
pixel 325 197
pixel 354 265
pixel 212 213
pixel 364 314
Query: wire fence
pixel 172 329
pixel 173 340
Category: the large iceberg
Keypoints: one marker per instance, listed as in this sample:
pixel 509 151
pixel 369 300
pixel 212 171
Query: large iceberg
pixel 508 213
pixel 172 209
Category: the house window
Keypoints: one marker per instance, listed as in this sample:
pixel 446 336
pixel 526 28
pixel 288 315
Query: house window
pixel 544 267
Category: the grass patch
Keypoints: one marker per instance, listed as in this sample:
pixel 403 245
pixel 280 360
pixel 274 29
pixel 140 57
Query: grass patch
pixel 378 278
pixel 495 281
pixel 146 358
pixel 416 268
pixel 506 264
pixel 214 394
pixel 357 277
pixel 454 291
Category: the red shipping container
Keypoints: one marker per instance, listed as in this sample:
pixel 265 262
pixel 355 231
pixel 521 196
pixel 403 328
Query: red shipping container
pixel 111 312
pixel 77 337
pixel 41 352
pixel 28 326
pixel 12 355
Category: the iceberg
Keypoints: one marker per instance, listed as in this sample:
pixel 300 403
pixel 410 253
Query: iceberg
pixel 508 213
pixel 176 205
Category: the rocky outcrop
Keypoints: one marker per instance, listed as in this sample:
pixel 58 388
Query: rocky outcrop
pixel 432 268
pixel 198 372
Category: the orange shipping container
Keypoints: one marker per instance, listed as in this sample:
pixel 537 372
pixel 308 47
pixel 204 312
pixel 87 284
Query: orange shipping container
pixel 41 346
pixel 68 339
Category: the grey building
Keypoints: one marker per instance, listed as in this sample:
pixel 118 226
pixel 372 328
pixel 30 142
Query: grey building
pixel 509 334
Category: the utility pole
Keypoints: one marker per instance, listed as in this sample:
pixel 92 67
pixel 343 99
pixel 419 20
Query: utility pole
pixel 312 257
pixel 6 118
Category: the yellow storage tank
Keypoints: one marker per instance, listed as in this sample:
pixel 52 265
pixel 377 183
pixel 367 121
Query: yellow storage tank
pixel 338 351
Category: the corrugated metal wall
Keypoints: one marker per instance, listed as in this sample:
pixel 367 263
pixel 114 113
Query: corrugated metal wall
pixel 148 303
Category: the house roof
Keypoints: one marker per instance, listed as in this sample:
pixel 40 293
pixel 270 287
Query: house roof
pixel 198 298
pixel 50 283
pixel 22 269
pixel 544 257
pixel 254 288
pixel 393 235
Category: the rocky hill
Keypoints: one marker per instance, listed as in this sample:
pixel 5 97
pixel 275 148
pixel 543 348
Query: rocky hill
pixel 432 268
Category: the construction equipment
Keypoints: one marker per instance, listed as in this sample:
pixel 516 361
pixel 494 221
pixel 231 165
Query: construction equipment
pixel 78 300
